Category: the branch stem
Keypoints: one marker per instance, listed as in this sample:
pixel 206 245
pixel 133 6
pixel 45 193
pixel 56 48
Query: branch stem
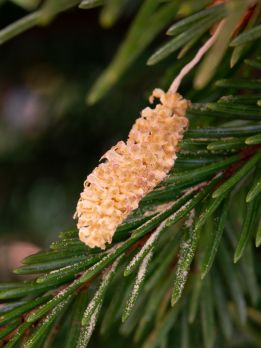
pixel 188 67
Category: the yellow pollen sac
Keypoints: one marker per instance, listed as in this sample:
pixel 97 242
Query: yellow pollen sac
pixel 132 169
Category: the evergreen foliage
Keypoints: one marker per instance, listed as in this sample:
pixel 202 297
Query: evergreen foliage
pixel 185 273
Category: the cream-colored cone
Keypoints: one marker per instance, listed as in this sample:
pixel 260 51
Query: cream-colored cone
pixel 131 169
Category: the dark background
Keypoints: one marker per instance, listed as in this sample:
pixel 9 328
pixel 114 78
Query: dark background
pixel 49 138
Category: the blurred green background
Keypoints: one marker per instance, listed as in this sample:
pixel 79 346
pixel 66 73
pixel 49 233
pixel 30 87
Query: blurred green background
pixel 49 138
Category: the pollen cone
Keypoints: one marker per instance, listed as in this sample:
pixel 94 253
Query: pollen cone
pixel 132 169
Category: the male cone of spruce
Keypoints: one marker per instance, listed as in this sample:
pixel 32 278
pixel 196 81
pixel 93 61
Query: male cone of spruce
pixel 132 169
